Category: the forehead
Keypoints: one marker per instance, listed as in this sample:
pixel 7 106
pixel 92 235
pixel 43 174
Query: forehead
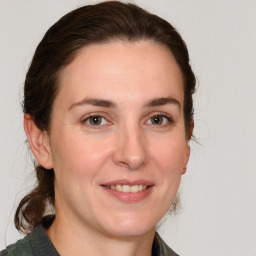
pixel 122 69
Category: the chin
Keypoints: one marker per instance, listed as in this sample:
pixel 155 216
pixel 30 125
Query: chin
pixel 129 232
pixel 130 226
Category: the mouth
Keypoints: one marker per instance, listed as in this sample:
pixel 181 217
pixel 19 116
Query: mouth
pixel 129 191
pixel 127 188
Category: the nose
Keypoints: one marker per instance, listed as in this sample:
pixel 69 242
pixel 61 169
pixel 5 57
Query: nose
pixel 131 150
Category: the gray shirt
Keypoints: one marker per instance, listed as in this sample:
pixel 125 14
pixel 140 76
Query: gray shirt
pixel 37 243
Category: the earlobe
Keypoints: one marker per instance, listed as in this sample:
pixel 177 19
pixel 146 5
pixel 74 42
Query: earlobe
pixel 39 142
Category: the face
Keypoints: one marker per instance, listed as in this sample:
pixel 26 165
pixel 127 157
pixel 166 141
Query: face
pixel 117 139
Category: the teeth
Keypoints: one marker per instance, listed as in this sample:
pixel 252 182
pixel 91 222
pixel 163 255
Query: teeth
pixel 119 188
pixel 127 188
pixel 134 188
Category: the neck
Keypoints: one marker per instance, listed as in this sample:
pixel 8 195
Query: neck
pixel 71 239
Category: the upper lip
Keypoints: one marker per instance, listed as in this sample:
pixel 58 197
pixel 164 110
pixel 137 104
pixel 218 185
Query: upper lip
pixel 128 182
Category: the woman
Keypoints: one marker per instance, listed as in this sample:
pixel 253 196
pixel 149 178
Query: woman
pixel 108 115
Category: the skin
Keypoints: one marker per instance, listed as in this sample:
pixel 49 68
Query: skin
pixel 127 144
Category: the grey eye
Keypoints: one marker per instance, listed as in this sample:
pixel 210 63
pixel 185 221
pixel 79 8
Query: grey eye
pixel 95 120
pixel 157 120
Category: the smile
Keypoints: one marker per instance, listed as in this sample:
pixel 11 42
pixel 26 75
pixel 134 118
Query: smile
pixel 129 191
pixel 128 188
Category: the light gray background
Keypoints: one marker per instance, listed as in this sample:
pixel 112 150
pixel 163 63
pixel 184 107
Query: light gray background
pixel 218 215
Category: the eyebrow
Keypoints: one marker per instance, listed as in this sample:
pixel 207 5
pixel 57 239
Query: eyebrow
pixel 109 104
pixel 94 102
pixel 162 101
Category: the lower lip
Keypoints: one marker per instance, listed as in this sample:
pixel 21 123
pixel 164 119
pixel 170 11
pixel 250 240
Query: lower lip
pixel 129 197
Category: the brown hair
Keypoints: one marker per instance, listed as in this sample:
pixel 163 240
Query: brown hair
pixel 91 24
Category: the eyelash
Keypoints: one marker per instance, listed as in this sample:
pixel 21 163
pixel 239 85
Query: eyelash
pixel 168 118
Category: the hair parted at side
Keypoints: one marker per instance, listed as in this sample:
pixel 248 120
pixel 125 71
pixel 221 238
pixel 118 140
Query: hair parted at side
pixel 91 24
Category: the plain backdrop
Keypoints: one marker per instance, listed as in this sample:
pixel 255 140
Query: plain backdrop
pixel 218 193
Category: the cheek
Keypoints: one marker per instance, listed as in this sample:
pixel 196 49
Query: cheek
pixel 169 154
pixel 79 155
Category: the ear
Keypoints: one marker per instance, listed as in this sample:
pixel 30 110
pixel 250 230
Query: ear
pixel 191 128
pixel 186 159
pixel 39 142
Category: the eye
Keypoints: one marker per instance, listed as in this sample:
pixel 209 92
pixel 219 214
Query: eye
pixel 159 119
pixel 95 120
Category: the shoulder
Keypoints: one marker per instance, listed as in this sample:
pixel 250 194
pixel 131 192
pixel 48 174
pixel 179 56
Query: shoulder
pixel 162 248
pixel 36 243
pixel 20 248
